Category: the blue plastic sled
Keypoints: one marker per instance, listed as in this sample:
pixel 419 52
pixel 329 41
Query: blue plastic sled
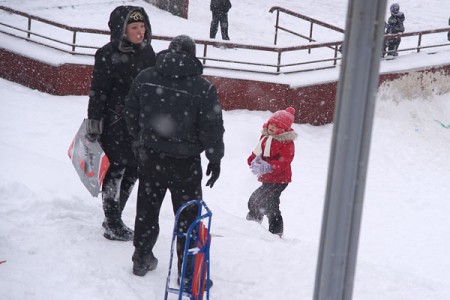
pixel 198 232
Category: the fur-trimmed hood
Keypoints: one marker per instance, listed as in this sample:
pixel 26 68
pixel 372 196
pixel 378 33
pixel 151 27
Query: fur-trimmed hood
pixel 118 21
pixel 282 137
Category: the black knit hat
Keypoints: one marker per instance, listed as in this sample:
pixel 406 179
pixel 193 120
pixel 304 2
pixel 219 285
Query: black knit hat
pixel 183 43
pixel 135 16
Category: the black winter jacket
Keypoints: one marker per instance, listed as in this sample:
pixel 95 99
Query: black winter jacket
pixel 220 6
pixel 116 65
pixel 395 23
pixel 172 109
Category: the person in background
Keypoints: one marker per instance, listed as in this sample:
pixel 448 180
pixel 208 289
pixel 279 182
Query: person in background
pixel 174 115
pixel 219 9
pixel 116 65
pixel 394 25
pixel 448 34
pixel 271 162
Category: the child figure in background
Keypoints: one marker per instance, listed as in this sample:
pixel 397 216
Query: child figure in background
pixel 394 25
pixel 271 162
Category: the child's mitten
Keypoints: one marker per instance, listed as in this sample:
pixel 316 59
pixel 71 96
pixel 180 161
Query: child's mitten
pixel 260 167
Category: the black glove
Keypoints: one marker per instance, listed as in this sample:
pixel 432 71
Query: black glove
pixel 214 170
pixel 94 129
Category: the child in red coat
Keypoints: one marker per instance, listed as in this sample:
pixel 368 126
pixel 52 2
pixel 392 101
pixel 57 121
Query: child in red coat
pixel 271 161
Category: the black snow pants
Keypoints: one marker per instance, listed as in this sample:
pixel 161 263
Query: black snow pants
pixel 157 174
pixel 391 46
pixel 265 200
pixel 116 189
pixel 222 18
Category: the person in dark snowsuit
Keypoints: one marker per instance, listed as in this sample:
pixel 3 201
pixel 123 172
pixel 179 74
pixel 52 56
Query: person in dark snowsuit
pixel 116 65
pixel 173 114
pixel 219 9
pixel 394 25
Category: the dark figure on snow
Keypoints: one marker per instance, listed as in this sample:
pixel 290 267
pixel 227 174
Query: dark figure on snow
pixel 116 65
pixel 394 25
pixel 174 115
pixel 448 34
pixel 271 162
pixel 219 9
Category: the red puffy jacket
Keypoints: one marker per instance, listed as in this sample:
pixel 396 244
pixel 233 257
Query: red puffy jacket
pixel 282 152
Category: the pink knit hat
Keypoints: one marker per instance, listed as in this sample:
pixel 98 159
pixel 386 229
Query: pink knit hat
pixel 283 119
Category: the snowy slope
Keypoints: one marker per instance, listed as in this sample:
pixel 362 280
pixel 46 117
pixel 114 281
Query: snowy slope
pixel 50 227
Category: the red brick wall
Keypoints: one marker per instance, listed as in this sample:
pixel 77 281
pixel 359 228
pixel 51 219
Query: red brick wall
pixel 248 94
pixel 74 79
pixel 28 72
pixel 314 104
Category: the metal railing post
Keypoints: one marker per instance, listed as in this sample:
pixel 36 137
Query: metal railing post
pixel 279 63
pixel 276 27
pixel 204 53
pixel 310 35
pixel 419 42
pixel 74 40
pixel 29 28
pixel 335 55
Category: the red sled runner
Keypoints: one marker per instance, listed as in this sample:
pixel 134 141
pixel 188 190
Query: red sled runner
pixel 89 160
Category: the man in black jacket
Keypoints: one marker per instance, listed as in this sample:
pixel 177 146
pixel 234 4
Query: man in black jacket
pixel 219 9
pixel 116 65
pixel 173 114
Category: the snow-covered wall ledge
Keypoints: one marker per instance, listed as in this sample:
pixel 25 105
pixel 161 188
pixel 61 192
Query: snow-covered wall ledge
pixel 314 102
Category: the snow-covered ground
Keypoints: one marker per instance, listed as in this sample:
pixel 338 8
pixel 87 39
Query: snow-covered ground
pixel 50 227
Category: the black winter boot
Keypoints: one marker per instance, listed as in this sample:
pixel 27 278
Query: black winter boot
pixel 115 229
pixel 276 224
pixel 253 217
pixel 117 232
pixel 114 200
pixel 224 31
pixel 142 263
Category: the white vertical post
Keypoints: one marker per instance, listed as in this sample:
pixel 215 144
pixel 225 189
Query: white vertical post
pixel 355 105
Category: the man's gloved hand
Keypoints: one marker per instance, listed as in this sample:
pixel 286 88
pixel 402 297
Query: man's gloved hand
pixel 260 167
pixel 94 129
pixel 214 170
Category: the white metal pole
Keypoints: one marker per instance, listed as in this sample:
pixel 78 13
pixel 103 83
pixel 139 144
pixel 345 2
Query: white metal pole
pixel 355 105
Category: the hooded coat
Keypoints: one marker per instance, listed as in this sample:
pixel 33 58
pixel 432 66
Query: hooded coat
pixel 172 109
pixel 282 150
pixel 116 65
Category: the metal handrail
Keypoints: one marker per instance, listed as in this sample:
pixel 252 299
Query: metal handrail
pixel 419 34
pixel 275 68
pixel 311 21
